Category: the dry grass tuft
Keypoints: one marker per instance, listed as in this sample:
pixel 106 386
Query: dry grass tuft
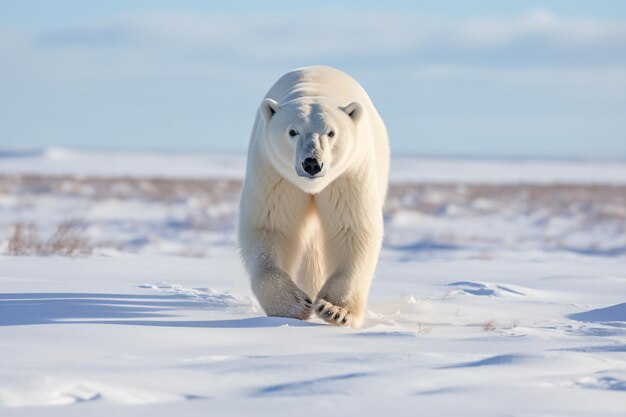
pixel 421 329
pixel 23 240
pixel 489 326
pixel 67 240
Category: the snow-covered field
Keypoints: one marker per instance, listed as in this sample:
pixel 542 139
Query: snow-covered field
pixel 501 290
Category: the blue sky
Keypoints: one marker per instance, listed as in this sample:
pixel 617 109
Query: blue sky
pixel 454 78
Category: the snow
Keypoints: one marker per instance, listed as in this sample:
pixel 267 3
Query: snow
pixel 121 164
pixel 492 297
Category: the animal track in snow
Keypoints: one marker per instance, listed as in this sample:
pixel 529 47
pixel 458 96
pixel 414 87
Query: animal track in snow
pixel 206 295
pixel 487 289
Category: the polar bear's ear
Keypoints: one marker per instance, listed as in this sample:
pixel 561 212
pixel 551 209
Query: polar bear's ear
pixel 268 108
pixel 354 110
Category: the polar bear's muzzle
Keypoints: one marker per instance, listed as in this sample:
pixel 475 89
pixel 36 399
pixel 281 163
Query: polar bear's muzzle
pixel 310 157
pixel 310 167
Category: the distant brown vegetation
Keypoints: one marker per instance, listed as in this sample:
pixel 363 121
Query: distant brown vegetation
pixel 97 188
pixel 207 205
pixel 67 240
pixel 23 240
pixel 595 201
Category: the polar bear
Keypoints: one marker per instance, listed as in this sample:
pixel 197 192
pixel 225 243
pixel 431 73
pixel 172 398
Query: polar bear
pixel 311 208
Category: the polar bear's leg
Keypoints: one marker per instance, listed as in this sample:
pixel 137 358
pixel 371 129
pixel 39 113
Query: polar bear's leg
pixel 270 246
pixel 351 215
pixel 264 252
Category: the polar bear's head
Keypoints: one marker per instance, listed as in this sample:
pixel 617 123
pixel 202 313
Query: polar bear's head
pixel 311 141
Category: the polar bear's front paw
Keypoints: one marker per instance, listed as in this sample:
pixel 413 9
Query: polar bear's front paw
pixel 279 296
pixel 332 314
pixel 301 306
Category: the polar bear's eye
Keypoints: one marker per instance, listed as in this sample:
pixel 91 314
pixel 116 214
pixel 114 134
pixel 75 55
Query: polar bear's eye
pixel 331 133
pixel 292 133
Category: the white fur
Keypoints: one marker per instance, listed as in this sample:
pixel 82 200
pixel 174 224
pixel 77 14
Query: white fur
pixel 303 239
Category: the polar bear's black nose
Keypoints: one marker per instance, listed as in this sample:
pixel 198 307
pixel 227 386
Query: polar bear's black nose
pixel 311 166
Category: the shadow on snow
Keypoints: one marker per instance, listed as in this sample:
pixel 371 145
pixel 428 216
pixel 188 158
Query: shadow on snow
pixel 20 309
pixel 614 315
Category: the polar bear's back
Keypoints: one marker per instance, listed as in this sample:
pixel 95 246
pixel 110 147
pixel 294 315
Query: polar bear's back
pixel 318 81
pixel 331 83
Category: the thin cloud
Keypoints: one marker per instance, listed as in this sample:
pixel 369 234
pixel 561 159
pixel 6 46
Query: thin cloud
pixel 538 37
